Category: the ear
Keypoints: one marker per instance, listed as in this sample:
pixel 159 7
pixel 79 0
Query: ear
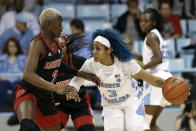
pixel 109 50
pixel 153 23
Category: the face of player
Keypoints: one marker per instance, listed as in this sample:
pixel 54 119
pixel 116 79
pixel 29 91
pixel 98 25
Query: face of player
pixel 165 10
pixel 100 52
pixel 12 48
pixel 55 27
pixel 146 23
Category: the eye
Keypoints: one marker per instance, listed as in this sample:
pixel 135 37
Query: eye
pixel 97 48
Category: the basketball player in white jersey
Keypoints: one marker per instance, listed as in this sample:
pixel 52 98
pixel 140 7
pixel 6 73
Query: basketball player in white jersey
pixel 123 107
pixel 155 61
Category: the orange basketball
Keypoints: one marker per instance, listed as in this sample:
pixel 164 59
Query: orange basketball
pixel 175 90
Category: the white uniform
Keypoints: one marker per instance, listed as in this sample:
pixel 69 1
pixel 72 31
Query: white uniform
pixel 153 95
pixel 123 108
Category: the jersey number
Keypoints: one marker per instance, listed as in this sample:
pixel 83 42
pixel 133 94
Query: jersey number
pixel 112 93
pixel 54 75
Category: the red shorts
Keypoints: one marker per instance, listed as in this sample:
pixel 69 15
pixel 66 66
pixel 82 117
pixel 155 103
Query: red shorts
pixel 80 115
pixel 46 113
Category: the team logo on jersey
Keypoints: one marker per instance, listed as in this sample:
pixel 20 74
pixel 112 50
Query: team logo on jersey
pixel 118 78
pixel 52 64
pixel 49 54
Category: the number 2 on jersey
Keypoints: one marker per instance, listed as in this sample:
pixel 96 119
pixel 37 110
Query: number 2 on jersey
pixel 54 75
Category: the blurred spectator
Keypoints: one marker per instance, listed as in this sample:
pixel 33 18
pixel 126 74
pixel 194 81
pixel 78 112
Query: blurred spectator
pixel 174 4
pixel 127 39
pixel 29 5
pixel 128 22
pixel 20 32
pixel 187 116
pixel 12 61
pixel 171 22
pixel 92 1
pixel 190 8
pixel 81 46
pixel 8 19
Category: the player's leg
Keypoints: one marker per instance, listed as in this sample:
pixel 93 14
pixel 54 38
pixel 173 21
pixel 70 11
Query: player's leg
pixel 153 125
pixel 134 115
pixel 152 113
pixel 113 119
pixel 82 116
pixel 25 106
pixel 26 115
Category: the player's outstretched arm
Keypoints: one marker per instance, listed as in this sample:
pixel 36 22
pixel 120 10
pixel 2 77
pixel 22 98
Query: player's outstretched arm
pixel 153 80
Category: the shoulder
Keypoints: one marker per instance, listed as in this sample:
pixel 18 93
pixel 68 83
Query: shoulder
pixel 21 57
pixel 3 57
pixel 7 14
pixel 124 15
pixel 152 35
pixel 29 15
pixel 90 60
pixel 36 43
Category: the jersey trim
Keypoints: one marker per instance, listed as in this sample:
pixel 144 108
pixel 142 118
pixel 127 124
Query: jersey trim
pixel 53 51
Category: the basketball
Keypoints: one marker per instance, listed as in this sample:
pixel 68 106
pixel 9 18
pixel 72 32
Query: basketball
pixel 175 90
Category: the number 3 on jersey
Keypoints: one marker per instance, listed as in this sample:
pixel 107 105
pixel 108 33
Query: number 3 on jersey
pixel 112 93
pixel 54 75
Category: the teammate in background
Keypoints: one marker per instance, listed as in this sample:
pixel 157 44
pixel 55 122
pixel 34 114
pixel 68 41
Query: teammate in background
pixel 155 61
pixel 123 107
pixel 34 96
pixel 80 112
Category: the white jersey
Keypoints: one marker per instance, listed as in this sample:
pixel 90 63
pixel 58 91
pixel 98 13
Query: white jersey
pixel 117 84
pixel 148 54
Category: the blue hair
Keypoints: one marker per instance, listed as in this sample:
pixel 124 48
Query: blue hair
pixel 120 49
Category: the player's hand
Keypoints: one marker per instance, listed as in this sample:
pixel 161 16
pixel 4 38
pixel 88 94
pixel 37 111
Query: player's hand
pixel 63 90
pixel 73 95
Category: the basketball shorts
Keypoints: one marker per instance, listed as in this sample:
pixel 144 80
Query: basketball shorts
pixel 46 112
pixel 127 116
pixel 80 115
pixel 153 95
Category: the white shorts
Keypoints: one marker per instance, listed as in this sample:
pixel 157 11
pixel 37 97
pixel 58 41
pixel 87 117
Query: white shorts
pixel 127 116
pixel 153 95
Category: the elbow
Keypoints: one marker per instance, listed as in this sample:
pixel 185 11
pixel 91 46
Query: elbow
pixel 26 76
pixel 160 60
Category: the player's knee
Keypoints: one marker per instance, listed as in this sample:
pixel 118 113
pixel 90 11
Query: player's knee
pixel 28 125
pixel 86 128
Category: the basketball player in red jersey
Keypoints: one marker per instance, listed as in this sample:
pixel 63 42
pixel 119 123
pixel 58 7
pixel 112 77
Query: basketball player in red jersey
pixel 34 95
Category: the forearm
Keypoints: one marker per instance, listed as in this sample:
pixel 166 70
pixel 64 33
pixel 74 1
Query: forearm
pixel 157 81
pixel 37 81
pixel 151 79
pixel 152 64
pixel 83 75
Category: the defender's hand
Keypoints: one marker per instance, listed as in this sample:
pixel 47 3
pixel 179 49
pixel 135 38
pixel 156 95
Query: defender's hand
pixel 64 89
pixel 73 95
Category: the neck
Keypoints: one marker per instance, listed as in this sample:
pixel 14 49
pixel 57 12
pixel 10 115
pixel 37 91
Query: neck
pixel 48 37
pixel 108 61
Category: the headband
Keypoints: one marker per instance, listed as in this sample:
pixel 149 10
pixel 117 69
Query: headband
pixel 104 41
